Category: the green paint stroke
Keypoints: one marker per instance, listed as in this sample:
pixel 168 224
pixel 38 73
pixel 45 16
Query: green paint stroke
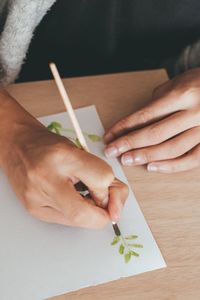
pixel 126 246
pixel 57 128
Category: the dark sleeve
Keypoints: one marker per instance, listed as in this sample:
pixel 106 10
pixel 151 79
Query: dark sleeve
pixel 188 59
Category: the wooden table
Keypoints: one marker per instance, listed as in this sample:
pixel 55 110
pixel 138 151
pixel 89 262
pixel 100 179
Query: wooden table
pixel 170 203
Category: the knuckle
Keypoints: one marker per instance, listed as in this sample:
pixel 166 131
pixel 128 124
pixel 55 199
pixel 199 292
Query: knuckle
pixel 144 115
pixel 185 93
pixel 148 156
pixel 57 151
pixel 107 175
pixel 105 183
pixel 127 142
pixel 123 124
pixel 155 134
pixel 118 128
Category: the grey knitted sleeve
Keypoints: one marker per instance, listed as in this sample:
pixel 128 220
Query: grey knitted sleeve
pixel 22 19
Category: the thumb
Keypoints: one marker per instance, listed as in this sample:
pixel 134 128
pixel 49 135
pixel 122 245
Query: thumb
pixel 97 175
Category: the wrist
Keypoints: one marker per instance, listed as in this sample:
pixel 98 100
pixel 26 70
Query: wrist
pixel 14 121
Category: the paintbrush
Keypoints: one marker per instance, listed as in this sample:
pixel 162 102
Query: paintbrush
pixel 74 120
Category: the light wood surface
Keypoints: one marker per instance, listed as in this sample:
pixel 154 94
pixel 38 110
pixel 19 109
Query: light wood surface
pixel 170 203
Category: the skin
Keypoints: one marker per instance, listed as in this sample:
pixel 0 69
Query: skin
pixel 43 168
pixel 165 134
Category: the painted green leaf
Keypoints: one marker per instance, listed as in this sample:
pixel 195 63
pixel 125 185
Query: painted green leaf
pixel 127 257
pixel 50 127
pixel 135 245
pixel 54 127
pixel 94 137
pixel 115 240
pixel 57 125
pixel 121 249
pixel 69 130
pixel 134 253
pixel 131 237
pixel 77 143
pixel 57 130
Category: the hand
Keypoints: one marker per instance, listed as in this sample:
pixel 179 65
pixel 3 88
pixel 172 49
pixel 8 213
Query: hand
pixel 43 167
pixel 165 134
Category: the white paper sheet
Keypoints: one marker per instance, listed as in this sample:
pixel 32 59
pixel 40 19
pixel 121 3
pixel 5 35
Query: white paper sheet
pixel 39 260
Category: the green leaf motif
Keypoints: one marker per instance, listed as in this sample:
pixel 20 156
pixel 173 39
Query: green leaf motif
pixel 121 249
pixel 127 257
pixel 135 245
pixel 94 137
pixel 57 131
pixel 126 246
pixel 131 237
pixel 134 253
pixel 55 127
pixel 77 143
pixel 115 240
pixel 50 127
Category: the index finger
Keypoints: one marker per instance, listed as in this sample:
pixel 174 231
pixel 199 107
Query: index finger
pixel 159 108
pixel 118 193
pixel 77 211
pixel 153 134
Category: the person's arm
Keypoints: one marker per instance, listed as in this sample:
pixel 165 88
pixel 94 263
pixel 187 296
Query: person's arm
pixel 43 167
pixel 188 59
pixel 165 134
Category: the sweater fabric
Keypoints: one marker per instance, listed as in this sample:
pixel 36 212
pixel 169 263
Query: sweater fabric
pixel 19 19
pixel 22 17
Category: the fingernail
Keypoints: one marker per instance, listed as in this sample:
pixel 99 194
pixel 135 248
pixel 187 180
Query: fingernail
pixel 111 152
pixel 108 137
pixel 115 218
pixel 164 168
pixel 158 168
pixel 152 168
pixel 129 160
